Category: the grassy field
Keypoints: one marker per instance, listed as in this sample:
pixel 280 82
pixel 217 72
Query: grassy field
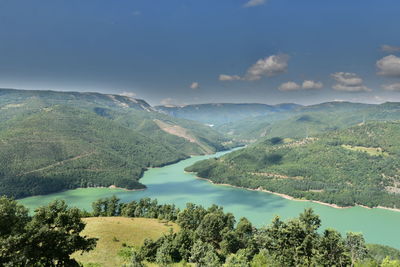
pixel 113 232
pixel 373 151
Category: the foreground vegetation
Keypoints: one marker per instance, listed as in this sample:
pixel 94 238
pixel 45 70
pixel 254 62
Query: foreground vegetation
pixel 205 237
pixel 47 238
pixel 358 165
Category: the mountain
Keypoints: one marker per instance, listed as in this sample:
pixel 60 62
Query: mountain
pixel 51 141
pixel 309 121
pixel 220 113
pixel 357 165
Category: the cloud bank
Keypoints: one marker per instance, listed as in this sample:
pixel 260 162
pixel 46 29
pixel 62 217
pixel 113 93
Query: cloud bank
pixel 390 48
pixel 224 77
pixel 306 85
pixel 349 82
pixel 264 67
pixel 389 66
pixel 392 87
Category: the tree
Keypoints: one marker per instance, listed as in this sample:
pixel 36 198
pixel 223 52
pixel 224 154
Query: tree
pixel 191 217
pixel 263 258
pixel 356 245
pixel 13 220
pixel 55 234
pixel 183 242
pixel 112 206
pixel 235 260
pixel 211 228
pixel 46 239
pixel 387 262
pixel 163 256
pixel 136 261
pixel 230 243
pixel 203 254
pixel 332 249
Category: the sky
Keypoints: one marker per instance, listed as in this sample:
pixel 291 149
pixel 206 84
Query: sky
pixel 202 51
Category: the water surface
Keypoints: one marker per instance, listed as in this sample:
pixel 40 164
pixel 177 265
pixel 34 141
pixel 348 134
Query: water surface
pixel 170 184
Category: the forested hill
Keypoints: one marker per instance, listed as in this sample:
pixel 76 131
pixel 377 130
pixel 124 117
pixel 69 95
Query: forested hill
pixel 310 120
pixel 358 165
pixel 221 113
pixel 51 141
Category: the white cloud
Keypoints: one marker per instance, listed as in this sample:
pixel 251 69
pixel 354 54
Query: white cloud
pixel 289 86
pixel 269 66
pixel 390 48
pixel 389 66
pixel 349 82
pixel 128 94
pixel 348 79
pixel 392 87
pixel 308 84
pixel 253 3
pixel 224 77
pixel 346 88
pixel 194 85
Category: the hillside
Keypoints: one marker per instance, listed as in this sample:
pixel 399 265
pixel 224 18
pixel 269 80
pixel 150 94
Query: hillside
pixel 310 120
pixel 52 141
pixel 221 113
pixel 358 165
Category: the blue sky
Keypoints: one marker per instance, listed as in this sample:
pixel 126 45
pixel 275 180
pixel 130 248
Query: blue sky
pixel 174 51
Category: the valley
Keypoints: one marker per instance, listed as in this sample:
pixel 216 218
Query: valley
pixel 171 185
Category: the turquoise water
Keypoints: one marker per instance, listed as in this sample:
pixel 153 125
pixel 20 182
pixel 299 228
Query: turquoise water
pixel 170 184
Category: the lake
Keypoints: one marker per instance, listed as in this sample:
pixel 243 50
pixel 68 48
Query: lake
pixel 170 184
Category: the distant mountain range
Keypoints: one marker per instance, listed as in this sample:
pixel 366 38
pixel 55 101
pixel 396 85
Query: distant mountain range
pixel 249 122
pixel 221 113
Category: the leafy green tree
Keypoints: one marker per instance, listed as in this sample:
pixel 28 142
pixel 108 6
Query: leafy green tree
pixel 112 206
pixel 203 254
pixel 230 243
pixel 183 242
pixel 356 245
pixel 263 258
pixel 212 228
pixel 149 249
pixel 387 262
pixel 332 249
pixel 163 256
pixel 191 217
pixel 55 234
pixel 13 237
pixel 235 260
pixel 46 239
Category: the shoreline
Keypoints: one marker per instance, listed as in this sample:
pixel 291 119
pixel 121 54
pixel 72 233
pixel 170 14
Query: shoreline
pixel 121 188
pixel 288 197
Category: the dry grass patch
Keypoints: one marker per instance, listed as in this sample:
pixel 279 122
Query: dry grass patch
pixel 113 232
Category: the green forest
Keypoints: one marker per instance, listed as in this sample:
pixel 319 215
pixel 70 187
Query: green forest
pixel 53 141
pixel 208 237
pixel 358 165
